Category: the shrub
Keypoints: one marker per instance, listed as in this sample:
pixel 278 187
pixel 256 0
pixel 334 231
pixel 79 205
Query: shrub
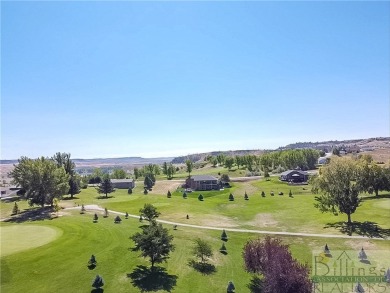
pixel 200 197
pixel 169 195
pixel 117 220
pixel 224 236
pixel 98 282
pixel 129 191
pixel 84 186
pixel 290 194
pixel 184 194
pixel 223 248
pixel 263 194
pixel 15 209
pixel 280 193
pixel 92 261
pixel 231 197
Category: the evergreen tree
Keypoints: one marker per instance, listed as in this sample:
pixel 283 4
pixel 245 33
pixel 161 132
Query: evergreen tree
pixel 184 195
pixel 263 194
pixel 145 191
pixel 82 209
pixel 117 220
pixel 223 248
pixel 169 195
pixel 129 191
pixel 230 288
pixel 290 194
pixel 15 209
pixel 224 236
pixel 95 218
pixel 126 215
pixel 106 187
pixel 98 282
pixel 92 260
pixel 200 197
pixel 246 197
pixel 105 213
pixel 231 197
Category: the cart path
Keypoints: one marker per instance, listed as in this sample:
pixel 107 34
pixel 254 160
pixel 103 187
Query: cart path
pixel 97 208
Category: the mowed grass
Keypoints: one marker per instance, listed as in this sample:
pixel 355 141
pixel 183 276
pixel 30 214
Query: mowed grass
pixel 17 238
pixel 61 265
pixel 269 213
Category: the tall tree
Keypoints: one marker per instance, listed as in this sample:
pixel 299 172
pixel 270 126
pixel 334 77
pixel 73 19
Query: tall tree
pixel 136 173
pixel 171 171
pixel 190 166
pixel 41 178
pixel 372 178
pixel 105 186
pixel 154 242
pixel 229 162
pixel 165 169
pixel 118 173
pixel 149 212
pixel 63 160
pixel 338 187
pixel 278 271
pixel 74 185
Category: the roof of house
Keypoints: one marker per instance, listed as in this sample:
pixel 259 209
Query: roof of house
pixel 285 173
pixel 203 177
pixel 121 180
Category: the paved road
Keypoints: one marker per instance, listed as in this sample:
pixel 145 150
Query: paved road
pixel 97 208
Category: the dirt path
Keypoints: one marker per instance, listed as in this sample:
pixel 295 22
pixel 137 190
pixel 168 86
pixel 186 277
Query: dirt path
pixel 97 208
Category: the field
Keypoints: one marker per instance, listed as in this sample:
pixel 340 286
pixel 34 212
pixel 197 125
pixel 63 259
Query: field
pixel 56 261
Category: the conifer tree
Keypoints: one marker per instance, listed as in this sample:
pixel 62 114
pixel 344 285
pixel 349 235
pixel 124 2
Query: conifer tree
pixel 224 236
pixel 98 282
pixel 15 209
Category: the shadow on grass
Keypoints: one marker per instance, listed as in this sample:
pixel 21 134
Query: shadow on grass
pixel 152 279
pixel 368 229
pixel 387 195
pixel 204 268
pixel 91 266
pixel 98 290
pixel 33 214
pixel 104 197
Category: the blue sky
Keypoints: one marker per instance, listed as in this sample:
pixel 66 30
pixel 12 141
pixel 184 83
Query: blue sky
pixel 112 79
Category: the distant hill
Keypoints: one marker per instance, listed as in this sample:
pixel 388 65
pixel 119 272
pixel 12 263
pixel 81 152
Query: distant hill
pixel 202 156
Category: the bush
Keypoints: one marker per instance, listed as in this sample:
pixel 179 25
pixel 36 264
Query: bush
pixel 98 282
pixel 169 195
pixel 225 178
pixel 129 191
pixel 231 197
pixel 200 197
pixel 117 220
pixel 224 236
pixel 84 186
pixel 223 248
pixel 263 194
pixel 280 193
pixel 290 194
pixel 184 195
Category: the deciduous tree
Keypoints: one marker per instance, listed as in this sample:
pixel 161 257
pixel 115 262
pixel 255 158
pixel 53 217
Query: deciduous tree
pixel 42 180
pixel 189 167
pixel 278 271
pixel 202 250
pixel 154 242
pixel 338 188
pixel 149 212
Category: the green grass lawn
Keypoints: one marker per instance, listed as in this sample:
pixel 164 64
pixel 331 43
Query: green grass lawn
pixel 59 263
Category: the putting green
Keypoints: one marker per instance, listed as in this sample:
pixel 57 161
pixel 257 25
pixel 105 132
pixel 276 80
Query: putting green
pixel 17 238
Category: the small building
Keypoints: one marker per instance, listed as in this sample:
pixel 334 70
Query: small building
pixel 203 182
pixel 295 176
pixel 123 183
